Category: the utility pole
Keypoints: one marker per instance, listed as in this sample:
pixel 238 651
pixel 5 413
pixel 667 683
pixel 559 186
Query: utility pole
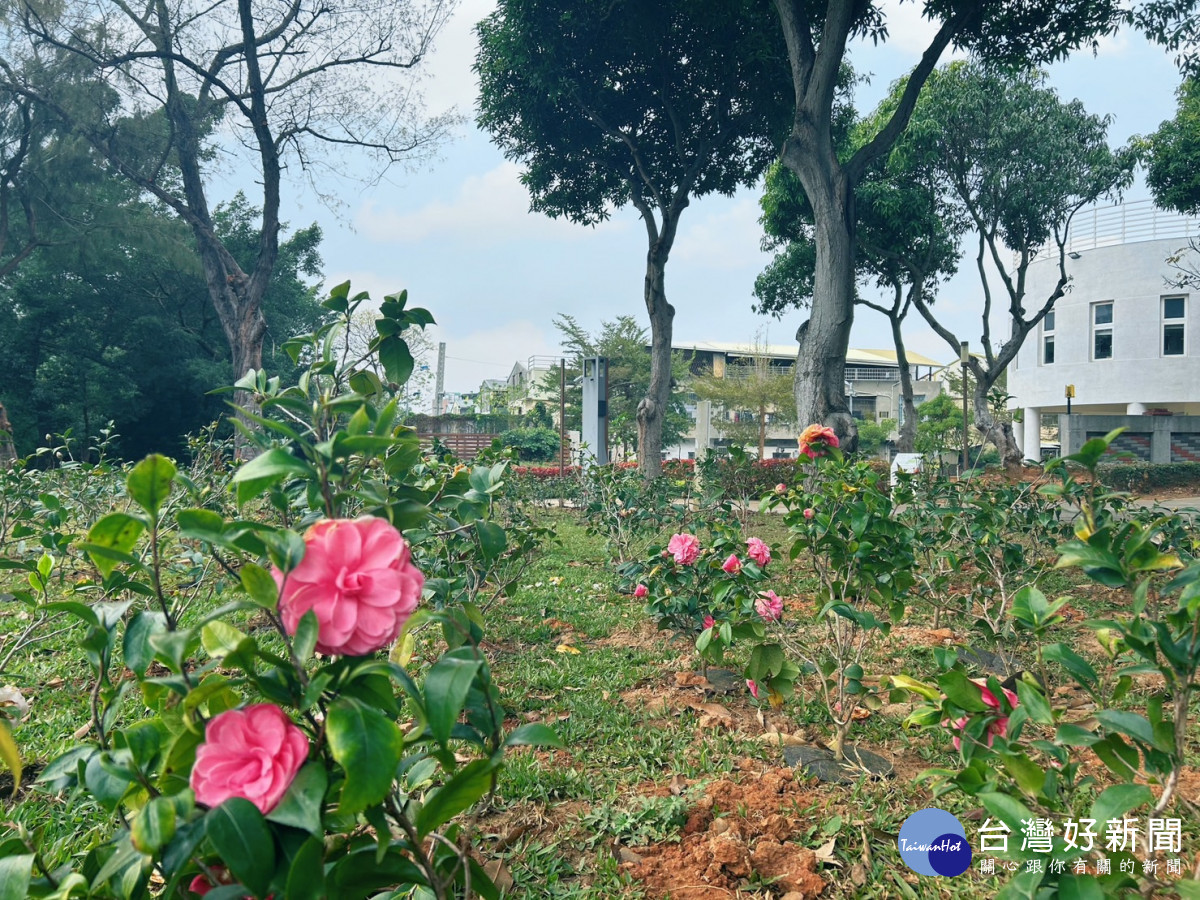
pixel 963 355
pixel 441 375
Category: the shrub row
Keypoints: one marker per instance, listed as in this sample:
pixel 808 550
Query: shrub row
pixel 1141 476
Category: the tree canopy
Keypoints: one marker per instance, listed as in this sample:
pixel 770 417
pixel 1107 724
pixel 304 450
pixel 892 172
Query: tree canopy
pixel 614 102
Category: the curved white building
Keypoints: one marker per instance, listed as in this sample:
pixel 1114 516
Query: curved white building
pixel 1126 339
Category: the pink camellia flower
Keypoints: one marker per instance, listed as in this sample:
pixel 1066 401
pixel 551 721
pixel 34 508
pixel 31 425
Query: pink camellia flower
pixel 709 621
pixel 769 605
pixel 753 688
pixel 732 565
pixel 252 753
pixel 997 727
pixel 781 488
pixel 357 576
pixel 684 547
pixel 200 885
pixel 757 550
pixel 815 440
pixel 809 512
pixel 641 591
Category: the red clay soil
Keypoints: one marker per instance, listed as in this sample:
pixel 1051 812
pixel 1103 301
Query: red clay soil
pixel 736 830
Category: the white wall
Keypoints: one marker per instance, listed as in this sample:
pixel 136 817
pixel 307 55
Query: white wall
pixel 1132 276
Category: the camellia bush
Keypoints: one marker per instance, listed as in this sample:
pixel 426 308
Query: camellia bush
pixel 1031 765
pixel 861 557
pixel 269 747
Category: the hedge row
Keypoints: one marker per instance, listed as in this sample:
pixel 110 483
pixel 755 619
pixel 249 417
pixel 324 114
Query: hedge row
pixel 1142 476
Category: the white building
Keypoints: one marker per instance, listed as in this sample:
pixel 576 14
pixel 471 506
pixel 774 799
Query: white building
pixel 1126 340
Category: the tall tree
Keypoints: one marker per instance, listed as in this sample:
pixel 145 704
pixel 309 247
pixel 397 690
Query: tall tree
pixel 615 102
pixel 622 341
pixel 906 243
pixel 284 80
pixel 119 326
pixel 1173 173
pixel 1016 163
pixel 817 35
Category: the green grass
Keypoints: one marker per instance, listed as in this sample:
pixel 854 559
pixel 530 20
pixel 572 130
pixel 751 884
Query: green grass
pixel 557 812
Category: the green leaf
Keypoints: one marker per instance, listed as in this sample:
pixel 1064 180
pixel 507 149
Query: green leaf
pixel 1035 703
pixel 116 531
pixel 267 469
pixel 1079 887
pixel 14 876
pixel 1079 668
pixel 396 358
pixel 201 524
pixel 1129 723
pixel 962 691
pixel 302 804
pixel 10 756
pixel 154 825
pixel 1118 799
pixel 259 585
pixel 149 482
pixel 220 639
pixel 306 874
pixel 368 747
pixel 240 835
pixel 467 786
pixel 304 641
pixel 492 539
pixel 136 643
pixel 1029 776
pixel 535 734
pixel 1007 809
pixel 446 689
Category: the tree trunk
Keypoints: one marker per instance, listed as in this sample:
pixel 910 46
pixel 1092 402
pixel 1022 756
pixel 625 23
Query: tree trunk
pixel 8 450
pixel 651 411
pixel 762 431
pixel 999 433
pixel 825 338
pixel 908 428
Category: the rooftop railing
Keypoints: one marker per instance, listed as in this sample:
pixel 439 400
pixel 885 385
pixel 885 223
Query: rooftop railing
pixel 1125 223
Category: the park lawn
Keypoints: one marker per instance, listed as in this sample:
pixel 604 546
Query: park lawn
pixel 663 787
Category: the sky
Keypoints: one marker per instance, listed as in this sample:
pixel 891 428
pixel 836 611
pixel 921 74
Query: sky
pixel 457 233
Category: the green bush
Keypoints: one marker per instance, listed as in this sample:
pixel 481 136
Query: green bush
pixel 1143 476
pixel 533 444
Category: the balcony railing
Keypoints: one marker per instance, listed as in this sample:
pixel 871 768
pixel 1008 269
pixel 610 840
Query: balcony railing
pixel 1125 223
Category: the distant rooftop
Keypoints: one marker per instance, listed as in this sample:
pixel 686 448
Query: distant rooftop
pixel 854 357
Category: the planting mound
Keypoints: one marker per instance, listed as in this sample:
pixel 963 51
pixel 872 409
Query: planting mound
pixel 735 831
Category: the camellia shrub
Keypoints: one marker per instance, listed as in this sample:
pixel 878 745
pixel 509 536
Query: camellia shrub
pixel 269 747
pixel 1070 794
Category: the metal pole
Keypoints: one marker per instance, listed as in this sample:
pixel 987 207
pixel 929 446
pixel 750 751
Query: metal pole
pixel 441 373
pixel 562 416
pixel 963 355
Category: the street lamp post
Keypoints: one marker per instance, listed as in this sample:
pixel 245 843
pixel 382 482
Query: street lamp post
pixel 963 355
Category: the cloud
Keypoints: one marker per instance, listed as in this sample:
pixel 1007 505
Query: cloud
pixel 909 31
pixel 451 82
pixel 488 208
pixel 726 238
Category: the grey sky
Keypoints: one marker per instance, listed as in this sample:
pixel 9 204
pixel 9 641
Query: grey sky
pixel 460 238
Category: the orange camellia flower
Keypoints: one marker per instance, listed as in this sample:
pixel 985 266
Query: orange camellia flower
pixel 815 440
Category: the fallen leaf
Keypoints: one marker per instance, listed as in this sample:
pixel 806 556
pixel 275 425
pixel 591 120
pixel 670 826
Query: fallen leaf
pixel 567 648
pixel 498 872
pixel 678 785
pixel 825 852
pixel 10 696
pixel 82 731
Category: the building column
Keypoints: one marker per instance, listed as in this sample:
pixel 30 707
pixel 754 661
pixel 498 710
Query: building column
pixel 1032 445
pixel 1135 409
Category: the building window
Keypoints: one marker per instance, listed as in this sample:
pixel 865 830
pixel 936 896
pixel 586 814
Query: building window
pixel 1048 339
pixel 1102 333
pixel 1174 325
